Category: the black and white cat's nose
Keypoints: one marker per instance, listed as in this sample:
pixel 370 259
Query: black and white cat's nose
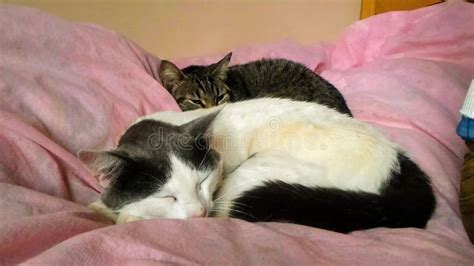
pixel 201 212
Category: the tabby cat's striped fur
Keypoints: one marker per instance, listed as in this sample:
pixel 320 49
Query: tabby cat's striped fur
pixel 206 86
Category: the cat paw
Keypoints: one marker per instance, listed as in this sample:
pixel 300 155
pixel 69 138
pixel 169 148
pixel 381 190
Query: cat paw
pixel 101 209
pixel 124 218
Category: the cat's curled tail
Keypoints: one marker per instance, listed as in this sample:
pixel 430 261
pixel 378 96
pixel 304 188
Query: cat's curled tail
pixel 406 200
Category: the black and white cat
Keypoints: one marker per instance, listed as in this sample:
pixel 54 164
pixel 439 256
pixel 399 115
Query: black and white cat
pixel 262 160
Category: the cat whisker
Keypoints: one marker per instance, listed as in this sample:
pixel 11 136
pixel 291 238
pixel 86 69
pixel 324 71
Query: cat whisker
pixel 150 175
pixel 252 182
pixel 232 208
pixel 203 158
pixel 146 183
pixel 232 203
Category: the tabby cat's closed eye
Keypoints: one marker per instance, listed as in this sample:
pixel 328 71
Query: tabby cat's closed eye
pixel 196 102
pixel 221 97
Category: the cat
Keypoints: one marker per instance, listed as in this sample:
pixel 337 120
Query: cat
pixel 294 161
pixel 206 86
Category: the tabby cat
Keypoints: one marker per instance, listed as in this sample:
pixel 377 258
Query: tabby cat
pixel 206 86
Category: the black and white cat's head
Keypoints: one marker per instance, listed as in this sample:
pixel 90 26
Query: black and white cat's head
pixel 196 87
pixel 158 170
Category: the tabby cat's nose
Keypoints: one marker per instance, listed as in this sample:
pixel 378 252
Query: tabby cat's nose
pixel 208 104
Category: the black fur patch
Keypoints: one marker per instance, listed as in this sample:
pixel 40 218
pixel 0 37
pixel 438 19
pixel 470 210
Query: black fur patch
pixel 138 179
pixel 406 201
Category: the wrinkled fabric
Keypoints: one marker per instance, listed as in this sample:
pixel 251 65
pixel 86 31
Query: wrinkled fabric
pixel 66 86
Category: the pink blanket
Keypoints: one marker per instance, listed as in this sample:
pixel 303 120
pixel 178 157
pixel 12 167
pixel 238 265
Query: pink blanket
pixel 66 86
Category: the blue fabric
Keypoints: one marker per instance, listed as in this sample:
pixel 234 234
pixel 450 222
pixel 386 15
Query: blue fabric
pixel 465 128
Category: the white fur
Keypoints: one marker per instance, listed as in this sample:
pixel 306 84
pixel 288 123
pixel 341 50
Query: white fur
pixel 179 118
pixel 295 142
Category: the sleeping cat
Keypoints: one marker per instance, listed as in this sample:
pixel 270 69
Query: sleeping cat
pixel 206 86
pixel 294 161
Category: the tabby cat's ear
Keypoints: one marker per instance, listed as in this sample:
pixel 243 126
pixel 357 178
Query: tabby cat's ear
pixel 219 69
pixel 170 75
pixel 104 165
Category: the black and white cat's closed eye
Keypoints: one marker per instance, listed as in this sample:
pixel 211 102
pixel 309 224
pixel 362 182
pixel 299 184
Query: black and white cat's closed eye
pixel 170 197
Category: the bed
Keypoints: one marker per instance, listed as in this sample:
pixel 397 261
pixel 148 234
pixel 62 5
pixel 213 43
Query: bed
pixel 67 86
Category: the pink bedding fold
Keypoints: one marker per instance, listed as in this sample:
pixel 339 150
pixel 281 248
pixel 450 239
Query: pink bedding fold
pixel 67 86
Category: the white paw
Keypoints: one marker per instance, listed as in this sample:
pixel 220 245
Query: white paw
pixel 124 218
pixel 100 208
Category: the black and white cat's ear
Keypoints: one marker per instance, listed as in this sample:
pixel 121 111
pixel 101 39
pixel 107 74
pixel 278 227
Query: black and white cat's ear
pixel 104 165
pixel 170 75
pixel 200 125
pixel 219 69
